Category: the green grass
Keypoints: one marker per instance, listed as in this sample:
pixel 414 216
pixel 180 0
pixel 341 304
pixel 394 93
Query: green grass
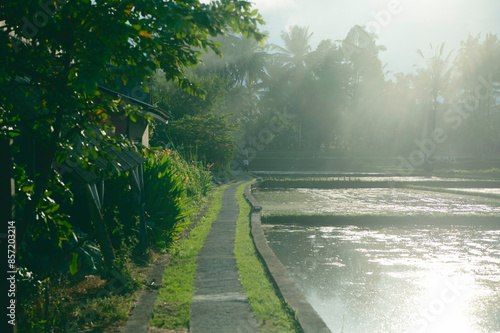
pixel 447 190
pixel 173 304
pixel 104 312
pixel 493 173
pixel 271 312
pixel 279 217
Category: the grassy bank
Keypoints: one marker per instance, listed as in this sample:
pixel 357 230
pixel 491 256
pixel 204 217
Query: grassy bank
pixel 492 173
pixel 325 220
pixel 447 190
pixel 313 161
pixel 271 312
pixel 172 308
pixel 358 183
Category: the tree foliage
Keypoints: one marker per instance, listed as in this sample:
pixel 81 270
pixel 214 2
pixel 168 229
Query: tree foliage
pixel 56 53
pixel 342 97
pixel 206 138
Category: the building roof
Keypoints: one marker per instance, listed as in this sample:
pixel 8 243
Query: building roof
pixel 110 162
pixel 151 110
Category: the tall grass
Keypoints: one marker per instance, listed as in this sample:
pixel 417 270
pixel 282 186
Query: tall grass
pixel 272 313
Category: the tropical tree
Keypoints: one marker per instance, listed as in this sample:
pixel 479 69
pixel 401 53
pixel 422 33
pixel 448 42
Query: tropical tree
pixel 478 64
pixel 326 99
pixel 168 96
pixel 244 61
pixel 206 138
pixel 364 88
pixel 361 53
pixel 58 52
pixel 297 46
pixel 294 55
pixel 275 85
pixel 250 61
pixel 401 122
pixel 432 82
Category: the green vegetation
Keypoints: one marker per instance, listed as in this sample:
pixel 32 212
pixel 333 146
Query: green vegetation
pixel 447 190
pixel 337 100
pixel 271 312
pixel 78 190
pixel 358 182
pixel 209 137
pixel 172 309
pixel 173 189
pixel 167 200
pixel 477 173
pixel 324 220
pixel 61 65
pixel 77 305
pixel 80 205
pixel 102 312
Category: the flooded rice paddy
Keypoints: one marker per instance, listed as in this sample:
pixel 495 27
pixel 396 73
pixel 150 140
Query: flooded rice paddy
pixel 399 278
pixel 423 279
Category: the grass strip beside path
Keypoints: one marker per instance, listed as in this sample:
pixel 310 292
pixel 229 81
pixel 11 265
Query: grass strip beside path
pixel 273 315
pixel 173 304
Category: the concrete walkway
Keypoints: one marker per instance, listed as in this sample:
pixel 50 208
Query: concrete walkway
pixel 219 304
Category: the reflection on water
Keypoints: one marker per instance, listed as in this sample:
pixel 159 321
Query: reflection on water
pixel 397 279
pixel 374 201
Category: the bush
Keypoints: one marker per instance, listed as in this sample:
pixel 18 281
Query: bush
pixel 165 197
pixel 208 136
pixel 119 214
pixel 198 177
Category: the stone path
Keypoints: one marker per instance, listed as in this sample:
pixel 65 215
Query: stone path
pixel 219 304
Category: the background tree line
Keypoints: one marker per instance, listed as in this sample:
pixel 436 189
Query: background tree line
pixel 341 97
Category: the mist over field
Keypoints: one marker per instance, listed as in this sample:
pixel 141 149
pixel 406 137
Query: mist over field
pixel 417 80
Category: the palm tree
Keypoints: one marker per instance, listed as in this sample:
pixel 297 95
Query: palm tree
pixel 433 81
pixel 249 63
pixel 297 47
pixel 295 55
pixel 243 64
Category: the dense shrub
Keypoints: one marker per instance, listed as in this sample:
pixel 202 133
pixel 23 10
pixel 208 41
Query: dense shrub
pixel 209 137
pixel 170 184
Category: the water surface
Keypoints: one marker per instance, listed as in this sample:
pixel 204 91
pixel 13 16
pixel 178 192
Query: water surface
pixel 396 279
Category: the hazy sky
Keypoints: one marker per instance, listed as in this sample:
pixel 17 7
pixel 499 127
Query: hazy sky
pixel 412 25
